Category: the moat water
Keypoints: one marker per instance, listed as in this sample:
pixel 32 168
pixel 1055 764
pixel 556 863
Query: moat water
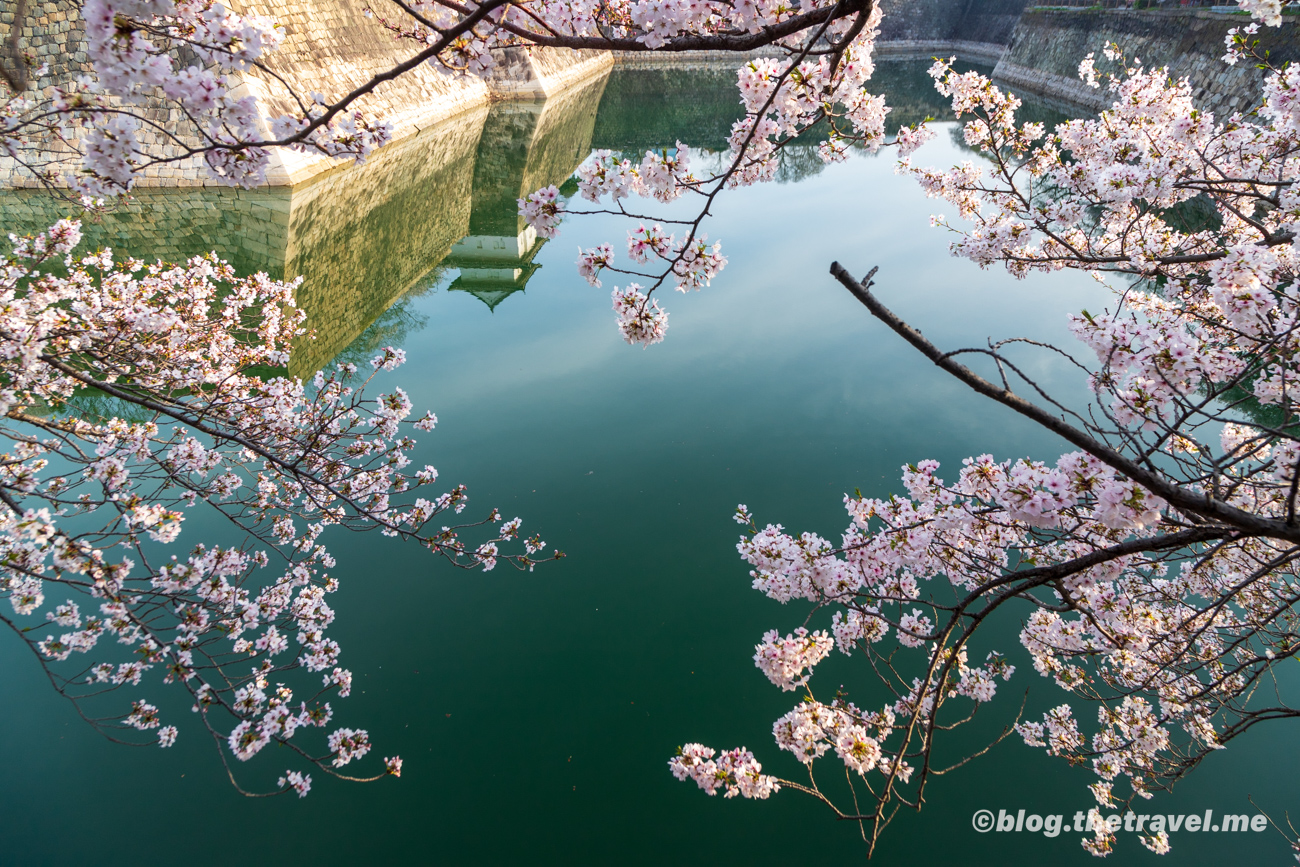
pixel 536 712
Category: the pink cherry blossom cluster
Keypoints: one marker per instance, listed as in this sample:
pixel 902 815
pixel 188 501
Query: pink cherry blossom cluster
pixel 542 211
pixel 783 660
pixel 735 772
pixel 130 44
pixel 591 262
pixel 1159 557
pixel 640 319
pixel 1097 192
pixel 644 243
pixel 662 176
pixel 812 729
pixel 1267 11
pixel 192 415
pixel 697 263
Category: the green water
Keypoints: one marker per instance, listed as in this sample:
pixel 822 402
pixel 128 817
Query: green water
pixel 536 712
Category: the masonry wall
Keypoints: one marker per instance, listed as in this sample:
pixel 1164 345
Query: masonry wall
pixel 916 20
pixel 950 20
pixel 330 47
pixel 1039 50
pixel 976 30
pixel 1046 47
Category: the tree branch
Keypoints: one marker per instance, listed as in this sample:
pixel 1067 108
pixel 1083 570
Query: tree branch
pixel 1176 495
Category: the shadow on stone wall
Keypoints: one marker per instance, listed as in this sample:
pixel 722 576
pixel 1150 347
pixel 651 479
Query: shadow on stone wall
pixel 363 237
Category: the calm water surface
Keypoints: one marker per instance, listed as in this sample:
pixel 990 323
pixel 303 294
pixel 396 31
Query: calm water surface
pixel 536 712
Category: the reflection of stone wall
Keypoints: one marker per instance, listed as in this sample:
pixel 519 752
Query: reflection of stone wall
pixel 363 237
pixel 360 236
pixel 527 146
pixel 562 138
pixel 524 147
pixel 248 228
pixel 497 169
pixel 653 105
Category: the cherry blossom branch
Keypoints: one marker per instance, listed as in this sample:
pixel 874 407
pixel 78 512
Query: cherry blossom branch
pixel 1186 500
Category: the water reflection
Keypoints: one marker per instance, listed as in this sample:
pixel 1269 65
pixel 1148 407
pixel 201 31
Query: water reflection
pixel 524 147
pixel 649 107
pixel 367 239
pixel 438 210
pixel 565 690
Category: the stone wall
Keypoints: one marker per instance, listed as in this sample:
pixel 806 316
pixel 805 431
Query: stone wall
pixel 1038 50
pixel 921 20
pixel 990 21
pixel 330 47
pixel 938 22
pixel 987 53
pixel 1046 47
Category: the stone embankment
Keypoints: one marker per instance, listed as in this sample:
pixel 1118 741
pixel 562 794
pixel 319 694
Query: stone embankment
pixel 1045 49
pixel 330 47
pixel 1038 50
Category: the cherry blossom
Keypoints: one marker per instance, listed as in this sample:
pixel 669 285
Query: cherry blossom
pixel 783 660
pixel 735 772
pixel 190 358
pixel 1158 556
pixel 640 320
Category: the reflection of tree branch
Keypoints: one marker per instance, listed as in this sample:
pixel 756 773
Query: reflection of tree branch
pixel 17 79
